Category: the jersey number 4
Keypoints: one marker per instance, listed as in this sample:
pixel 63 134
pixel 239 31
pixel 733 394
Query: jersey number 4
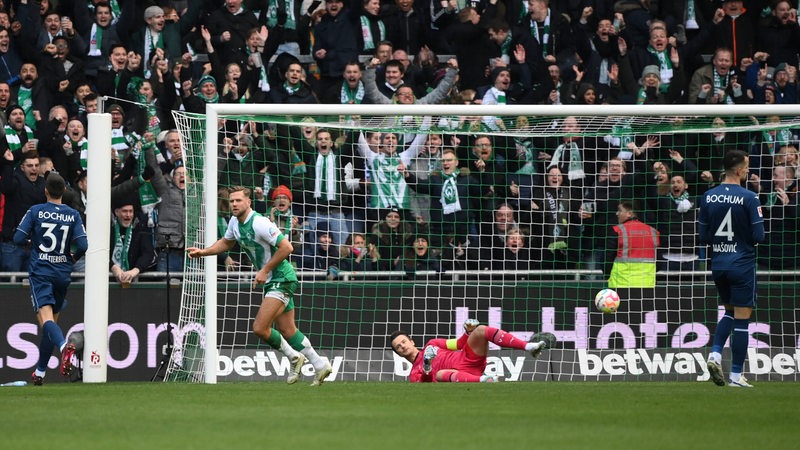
pixel 726 227
pixel 54 241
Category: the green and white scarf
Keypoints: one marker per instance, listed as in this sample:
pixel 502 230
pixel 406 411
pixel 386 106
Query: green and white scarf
pixel 774 143
pixel 263 81
pixel 721 85
pixel 116 11
pixel 291 89
pixel 543 37
pixel 451 204
pixel 352 96
pixel 12 137
pixel 622 137
pixel 772 199
pixel 25 100
pixel 83 148
pixel 575 170
pixel 119 142
pixel 96 40
pixel 664 66
pixel 150 46
pixel 119 255
pixel 148 198
pixel 326 177
pixel 272 14
pixel 680 198
pixel 558 220
pixel 505 49
pixel 366 32
pixel 298 165
pixel 282 220
pixel 526 145
pixel 641 96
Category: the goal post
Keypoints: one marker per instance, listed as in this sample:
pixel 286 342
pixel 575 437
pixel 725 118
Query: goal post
pixel 350 312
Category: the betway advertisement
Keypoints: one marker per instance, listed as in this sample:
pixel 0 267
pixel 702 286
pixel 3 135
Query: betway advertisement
pixel 659 334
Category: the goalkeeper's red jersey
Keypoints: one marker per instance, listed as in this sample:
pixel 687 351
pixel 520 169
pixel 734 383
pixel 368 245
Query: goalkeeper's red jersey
pixel 463 360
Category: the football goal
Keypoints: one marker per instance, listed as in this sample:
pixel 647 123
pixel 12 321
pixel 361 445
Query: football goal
pixel 417 217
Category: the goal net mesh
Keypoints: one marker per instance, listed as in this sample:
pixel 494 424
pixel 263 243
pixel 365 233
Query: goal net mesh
pixel 420 222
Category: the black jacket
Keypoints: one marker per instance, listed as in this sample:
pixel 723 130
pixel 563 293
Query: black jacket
pixel 20 195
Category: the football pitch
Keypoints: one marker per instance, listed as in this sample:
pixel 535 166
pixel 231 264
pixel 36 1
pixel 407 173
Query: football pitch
pixel 388 415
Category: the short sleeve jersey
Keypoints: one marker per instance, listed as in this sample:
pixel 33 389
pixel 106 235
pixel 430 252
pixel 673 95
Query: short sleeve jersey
pixel 52 228
pixel 730 221
pixel 259 238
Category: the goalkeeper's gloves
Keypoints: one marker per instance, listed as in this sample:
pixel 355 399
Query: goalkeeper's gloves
pixel 470 325
pixel 427 357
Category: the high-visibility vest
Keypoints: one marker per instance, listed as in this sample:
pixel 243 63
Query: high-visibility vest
pixel 635 264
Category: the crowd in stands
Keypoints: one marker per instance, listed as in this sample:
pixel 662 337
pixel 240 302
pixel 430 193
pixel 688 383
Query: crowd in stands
pixel 365 201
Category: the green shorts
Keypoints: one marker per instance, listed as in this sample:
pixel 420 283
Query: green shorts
pixel 283 291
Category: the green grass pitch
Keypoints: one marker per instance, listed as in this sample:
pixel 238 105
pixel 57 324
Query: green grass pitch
pixel 400 415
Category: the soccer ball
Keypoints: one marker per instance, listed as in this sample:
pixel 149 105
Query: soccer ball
pixel 607 301
pixel 76 338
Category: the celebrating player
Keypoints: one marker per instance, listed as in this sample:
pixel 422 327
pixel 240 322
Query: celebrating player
pixel 269 249
pixel 462 359
pixel 52 228
pixel 731 223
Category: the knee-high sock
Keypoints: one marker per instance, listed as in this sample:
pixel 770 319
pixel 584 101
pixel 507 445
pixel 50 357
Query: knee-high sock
pixel 739 342
pixel 301 343
pixel 45 352
pixel 461 377
pixel 277 342
pixel 722 332
pixel 503 338
pixel 54 333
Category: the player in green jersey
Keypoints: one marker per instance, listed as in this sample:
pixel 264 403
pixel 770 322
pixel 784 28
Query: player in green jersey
pixel 269 249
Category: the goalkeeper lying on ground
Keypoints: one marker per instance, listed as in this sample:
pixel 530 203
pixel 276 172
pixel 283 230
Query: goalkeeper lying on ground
pixel 463 359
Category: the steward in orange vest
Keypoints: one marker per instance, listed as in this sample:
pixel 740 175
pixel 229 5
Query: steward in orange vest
pixel 631 251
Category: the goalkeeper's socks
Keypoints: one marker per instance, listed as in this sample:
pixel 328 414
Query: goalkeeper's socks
pixel 462 377
pixel 45 351
pixel 504 338
pixel 55 334
pixel 722 332
pixel 739 342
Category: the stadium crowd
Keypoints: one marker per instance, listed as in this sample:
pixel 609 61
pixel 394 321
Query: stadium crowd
pixel 366 201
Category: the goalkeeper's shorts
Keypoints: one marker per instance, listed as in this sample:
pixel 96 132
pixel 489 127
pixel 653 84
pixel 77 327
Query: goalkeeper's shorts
pixel 282 291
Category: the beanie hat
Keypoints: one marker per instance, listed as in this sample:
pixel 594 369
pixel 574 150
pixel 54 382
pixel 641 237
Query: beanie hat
pixel 206 79
pixel 650 70
pixel 496 72
pixel 780 67
pixel 153 11
pixel 281 190
pixel 11 108
pixel 115 107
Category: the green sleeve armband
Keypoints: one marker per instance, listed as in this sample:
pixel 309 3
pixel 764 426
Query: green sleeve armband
pixel 452 344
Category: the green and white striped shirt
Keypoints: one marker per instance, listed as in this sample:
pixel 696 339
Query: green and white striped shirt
pixel 259 239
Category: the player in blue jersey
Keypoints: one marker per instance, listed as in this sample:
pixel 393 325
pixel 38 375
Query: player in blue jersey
pixel 730 222
pixel 52 229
